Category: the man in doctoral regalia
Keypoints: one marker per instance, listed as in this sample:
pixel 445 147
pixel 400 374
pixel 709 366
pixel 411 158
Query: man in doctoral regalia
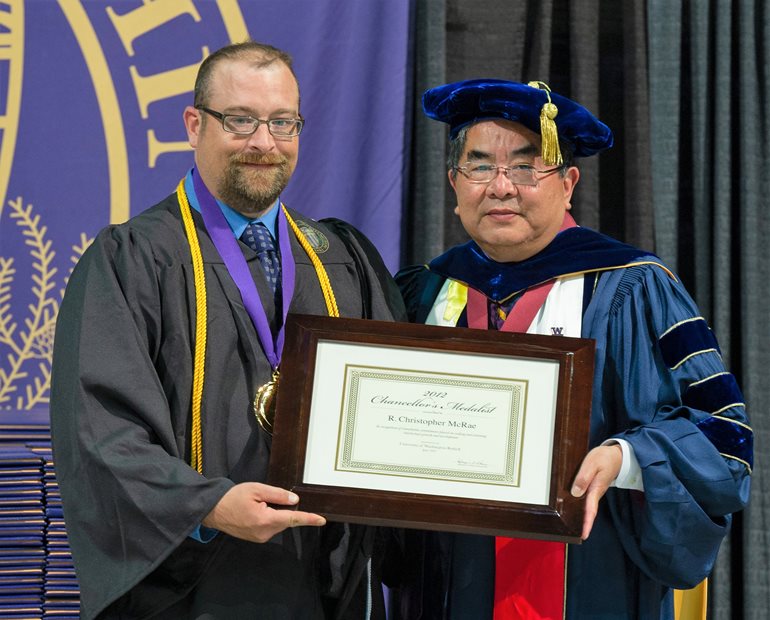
pixel 166 364
pixel 671 448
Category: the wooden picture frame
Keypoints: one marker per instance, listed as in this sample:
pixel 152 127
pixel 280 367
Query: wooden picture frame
pixel 427 427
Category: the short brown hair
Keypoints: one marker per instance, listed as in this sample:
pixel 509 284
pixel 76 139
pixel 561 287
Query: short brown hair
pixel 261 54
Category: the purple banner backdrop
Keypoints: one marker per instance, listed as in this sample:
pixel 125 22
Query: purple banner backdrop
pixel 91 98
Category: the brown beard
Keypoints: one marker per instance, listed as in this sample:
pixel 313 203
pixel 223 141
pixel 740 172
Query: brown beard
pixel 250 191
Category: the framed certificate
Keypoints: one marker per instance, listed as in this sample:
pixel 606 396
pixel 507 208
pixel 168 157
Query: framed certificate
pixel 431 427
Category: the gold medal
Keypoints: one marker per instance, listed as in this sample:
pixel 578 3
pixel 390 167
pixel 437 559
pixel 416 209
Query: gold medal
pixel 264 403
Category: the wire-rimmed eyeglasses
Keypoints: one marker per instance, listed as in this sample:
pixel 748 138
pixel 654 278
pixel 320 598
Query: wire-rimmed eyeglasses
pixel 246 125
pixel 520 174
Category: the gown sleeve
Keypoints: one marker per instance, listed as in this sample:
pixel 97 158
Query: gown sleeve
pixel 665 389
pixel 120 459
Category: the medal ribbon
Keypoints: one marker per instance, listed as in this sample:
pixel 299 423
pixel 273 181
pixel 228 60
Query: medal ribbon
pixel 530 575
pixel 227 245
pixel 249 294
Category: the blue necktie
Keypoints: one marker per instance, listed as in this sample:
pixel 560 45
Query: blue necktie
pixel 257 237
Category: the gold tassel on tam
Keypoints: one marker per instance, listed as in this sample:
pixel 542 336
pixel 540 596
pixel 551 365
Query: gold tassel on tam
pixel 551 153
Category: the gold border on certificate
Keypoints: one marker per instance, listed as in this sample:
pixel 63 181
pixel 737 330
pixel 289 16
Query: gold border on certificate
pixel 350 444
pixel 429 425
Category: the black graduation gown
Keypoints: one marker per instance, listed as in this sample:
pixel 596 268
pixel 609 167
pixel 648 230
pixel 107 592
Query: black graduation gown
pixel 120 421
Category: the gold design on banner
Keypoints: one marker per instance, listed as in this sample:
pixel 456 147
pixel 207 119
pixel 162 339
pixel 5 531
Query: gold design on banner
pixel 26 341
pixel 129 27
pixel 164 85
pixel 30 349
pixel 150 17
pixel 106 95
pixel 147 17
pixel 233 20
pixel 11 50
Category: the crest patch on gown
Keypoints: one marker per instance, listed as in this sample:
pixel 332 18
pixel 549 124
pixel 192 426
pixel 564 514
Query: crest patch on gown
pixel 315 237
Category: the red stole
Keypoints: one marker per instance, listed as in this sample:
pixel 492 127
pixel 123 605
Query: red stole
pixel 530 575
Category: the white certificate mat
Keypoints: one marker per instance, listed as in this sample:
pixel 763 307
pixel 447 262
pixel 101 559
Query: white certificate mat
pixel 413 420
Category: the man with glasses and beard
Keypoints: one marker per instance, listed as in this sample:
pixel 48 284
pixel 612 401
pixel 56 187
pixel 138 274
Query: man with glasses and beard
pixel 166 364
pixel 670 445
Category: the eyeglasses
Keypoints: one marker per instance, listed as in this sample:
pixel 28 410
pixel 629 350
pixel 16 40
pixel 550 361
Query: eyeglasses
pixel 520 174
pixel 247 125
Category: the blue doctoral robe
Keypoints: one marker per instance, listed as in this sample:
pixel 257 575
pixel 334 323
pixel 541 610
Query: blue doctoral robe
pixel 661 385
